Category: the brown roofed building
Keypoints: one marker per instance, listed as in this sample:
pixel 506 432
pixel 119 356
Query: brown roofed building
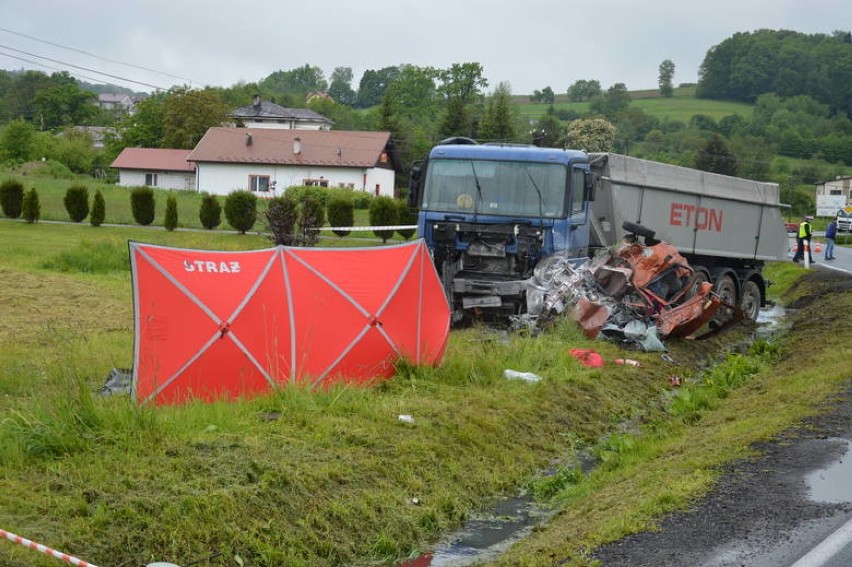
pixel 154 167
pixel 263 159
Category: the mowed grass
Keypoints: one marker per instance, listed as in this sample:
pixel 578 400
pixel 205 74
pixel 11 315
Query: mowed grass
pixel 52 191
pixel 333 477
pixel 295 477
pixel 682 106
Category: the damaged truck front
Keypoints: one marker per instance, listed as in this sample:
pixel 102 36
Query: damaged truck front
pixel 489 214
pixel 496 216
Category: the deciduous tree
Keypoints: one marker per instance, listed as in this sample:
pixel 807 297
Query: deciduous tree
pixel 188 114
pixel 715 157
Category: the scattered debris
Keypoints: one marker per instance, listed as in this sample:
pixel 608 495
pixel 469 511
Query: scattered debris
pixel 525 376
pixel 119 381
pixel 633 294
pixel 587 357
pixel 405 418
pixel 628 362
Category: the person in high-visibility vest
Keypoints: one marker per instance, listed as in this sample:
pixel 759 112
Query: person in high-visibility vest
pixel 804 233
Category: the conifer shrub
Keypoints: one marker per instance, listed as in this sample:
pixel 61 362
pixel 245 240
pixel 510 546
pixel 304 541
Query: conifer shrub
pixel 142 205
pixel 406 215
pixel 210 212
pixel 311 217
pixel 11 198
pixel 77 202
pixel 241 210
pixel 98 214
pixel 171 220
pixel 281 217
pixel 383 212
pixel 361 199
pixel 341 212
pixel 31 206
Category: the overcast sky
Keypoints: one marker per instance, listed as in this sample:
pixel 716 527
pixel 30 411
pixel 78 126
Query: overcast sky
pixel 528 45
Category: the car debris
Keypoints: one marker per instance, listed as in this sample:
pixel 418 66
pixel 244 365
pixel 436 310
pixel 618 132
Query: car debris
pixel 634 293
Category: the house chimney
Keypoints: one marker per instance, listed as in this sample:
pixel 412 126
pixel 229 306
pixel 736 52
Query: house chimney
pixel 297 145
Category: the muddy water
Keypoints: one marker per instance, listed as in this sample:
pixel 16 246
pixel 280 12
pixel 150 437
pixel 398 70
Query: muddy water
pixel 833 483
pixel 771 321
pixel 485 538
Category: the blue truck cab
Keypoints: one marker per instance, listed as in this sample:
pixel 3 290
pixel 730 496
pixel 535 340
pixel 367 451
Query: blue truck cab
pixel 490 213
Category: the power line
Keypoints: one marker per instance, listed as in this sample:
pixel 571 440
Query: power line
pixel 84 68
pixel 95 56
pixel 31 62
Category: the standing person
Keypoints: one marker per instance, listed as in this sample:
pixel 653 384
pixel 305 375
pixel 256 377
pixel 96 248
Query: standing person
pixel 830 234
pixel 804 233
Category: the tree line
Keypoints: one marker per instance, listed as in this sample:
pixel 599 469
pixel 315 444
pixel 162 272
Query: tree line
pixel 798 84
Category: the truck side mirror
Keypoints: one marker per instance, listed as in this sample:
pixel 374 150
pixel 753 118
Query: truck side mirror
pixel 414 184
pixel 589 185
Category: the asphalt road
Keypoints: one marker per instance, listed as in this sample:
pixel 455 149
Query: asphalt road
pixel 790 506
pixel 764 512
pixel 843 254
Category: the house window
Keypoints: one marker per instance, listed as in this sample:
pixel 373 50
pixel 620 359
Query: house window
pixel 151 179
pixel 259 183
pixel 836 192
pixel 321 182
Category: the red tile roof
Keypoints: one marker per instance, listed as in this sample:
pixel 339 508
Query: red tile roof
pixel 154 159
pixel 276 146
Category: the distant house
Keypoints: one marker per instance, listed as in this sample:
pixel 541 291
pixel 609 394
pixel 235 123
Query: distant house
pixel 265 114
pixel 262 160
pixel 314 95
pixel 839 193
pixel 161 168
pixel 95 133
pixel 120 102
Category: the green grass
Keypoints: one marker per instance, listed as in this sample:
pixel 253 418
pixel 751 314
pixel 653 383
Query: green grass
pixel 328 477
pixel 682 106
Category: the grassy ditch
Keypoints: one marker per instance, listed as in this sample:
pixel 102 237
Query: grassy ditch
pixel 334 477
pixel 676 455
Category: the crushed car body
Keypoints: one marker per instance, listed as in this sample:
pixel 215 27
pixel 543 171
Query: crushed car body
pixel 634 293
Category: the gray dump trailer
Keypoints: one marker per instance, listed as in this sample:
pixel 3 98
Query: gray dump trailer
pixel 726 227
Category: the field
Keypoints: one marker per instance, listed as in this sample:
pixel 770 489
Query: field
pixel 682 106
pixel 333 477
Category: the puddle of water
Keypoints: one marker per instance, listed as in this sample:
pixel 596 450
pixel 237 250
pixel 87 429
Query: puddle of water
pixel 771 321
pixel 831 484
pixel 483 539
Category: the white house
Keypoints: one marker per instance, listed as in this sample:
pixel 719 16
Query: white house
pixel 265 114
pixel 162 168
pixel 267 161
pixel 838 192
pixel 119 101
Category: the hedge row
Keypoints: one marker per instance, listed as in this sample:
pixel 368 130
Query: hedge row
pixel 292 219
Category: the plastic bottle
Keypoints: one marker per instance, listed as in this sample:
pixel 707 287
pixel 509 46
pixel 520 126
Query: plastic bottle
pixel 628 361
pixel 525 376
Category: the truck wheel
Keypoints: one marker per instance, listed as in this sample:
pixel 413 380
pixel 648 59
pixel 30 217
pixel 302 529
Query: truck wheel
pixel 726 289
pixel 751 300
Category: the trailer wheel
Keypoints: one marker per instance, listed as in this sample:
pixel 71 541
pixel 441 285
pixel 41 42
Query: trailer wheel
pixel 751 300
pixel 726 289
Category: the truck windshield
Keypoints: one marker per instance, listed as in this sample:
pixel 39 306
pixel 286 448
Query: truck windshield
pixel 495 188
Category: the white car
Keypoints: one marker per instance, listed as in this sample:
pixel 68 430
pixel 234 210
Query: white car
pixel 844 221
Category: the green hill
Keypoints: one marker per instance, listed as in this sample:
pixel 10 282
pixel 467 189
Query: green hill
pixel 682 106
